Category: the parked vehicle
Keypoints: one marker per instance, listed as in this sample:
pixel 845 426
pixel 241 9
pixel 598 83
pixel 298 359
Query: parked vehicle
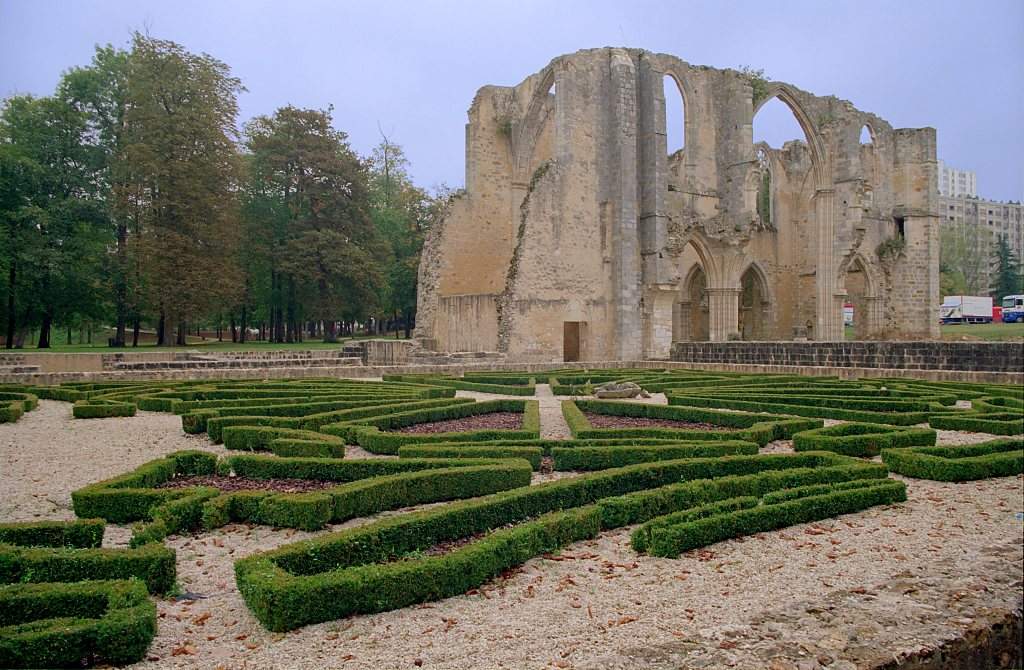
pixel 966 309
pixel 1013 308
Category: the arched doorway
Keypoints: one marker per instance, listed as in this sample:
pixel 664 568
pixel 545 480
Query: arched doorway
pixel 754 306
pixel 860 304
pixel 691 312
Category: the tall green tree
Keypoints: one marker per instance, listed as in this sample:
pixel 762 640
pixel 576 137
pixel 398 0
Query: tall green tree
pixel 308 208
pixel 1009 278
pixel 58 234
pixel 99 91
pixel 964 258
pixel 177 181
pixel 401 213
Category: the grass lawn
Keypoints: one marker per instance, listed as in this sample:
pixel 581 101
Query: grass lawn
pixel 991 332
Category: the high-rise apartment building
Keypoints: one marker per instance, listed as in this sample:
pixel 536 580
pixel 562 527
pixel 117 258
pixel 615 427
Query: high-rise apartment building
pixel 957 183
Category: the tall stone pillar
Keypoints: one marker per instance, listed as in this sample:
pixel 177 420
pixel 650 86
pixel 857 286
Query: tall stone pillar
pixel 620 175
pixel 829 321
pixel 723 313
pixel 875 317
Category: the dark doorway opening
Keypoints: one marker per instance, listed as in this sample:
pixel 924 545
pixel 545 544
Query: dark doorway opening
pixel 570 341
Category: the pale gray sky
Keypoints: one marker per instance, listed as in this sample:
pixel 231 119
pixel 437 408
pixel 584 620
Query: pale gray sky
pixel 413 66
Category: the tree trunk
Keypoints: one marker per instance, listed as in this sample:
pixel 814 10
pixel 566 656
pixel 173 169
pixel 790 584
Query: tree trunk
pixel 244 325
pixel 44 330
pixel 12 275
pixel 121 285
pixel 135 331
pixel 408 324
pixel 181 340
pixel 161 325
pixel 234 331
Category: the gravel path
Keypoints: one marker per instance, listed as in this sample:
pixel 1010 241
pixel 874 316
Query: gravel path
pixel 837 594
pixel 47 454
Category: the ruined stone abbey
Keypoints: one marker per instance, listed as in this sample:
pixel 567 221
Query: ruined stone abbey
pixel 578 237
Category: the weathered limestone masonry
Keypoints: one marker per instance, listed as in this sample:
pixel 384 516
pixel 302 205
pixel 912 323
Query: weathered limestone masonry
pixel 579 238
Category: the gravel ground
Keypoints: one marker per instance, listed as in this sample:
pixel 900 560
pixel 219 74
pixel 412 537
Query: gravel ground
pixel 839 594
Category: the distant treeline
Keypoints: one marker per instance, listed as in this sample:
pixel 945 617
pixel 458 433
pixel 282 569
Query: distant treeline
pixel 129 200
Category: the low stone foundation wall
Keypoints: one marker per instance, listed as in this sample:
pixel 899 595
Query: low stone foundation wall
pixel 1004 357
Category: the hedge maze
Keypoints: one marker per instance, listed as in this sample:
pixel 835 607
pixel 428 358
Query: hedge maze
pixel 686 474
pixel 66 602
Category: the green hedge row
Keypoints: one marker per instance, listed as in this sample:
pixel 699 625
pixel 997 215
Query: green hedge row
pixel 131 496
pixel 861 439
pixel 13 405
pixel 900 413
pixel 81 534
pixel 604 457
pixel 369 569
pixel 533 455
pixel 314 510
pixel 995 458
pixel 283 441
pixel 75 625
pixel 153 564
pixel 101 409
pixel 673 538
pixel 483 384
pixel 370 433
pixel 758 428
pixel 994 423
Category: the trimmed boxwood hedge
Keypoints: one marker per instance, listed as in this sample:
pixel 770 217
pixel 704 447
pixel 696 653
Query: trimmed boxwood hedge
pixel 370 435
pixel 604 457
pixel 100 409
pixel 313 510
pixel 861 439
pixel 153 564
pixel 81 534
pixel 13 405
pixel 885 411
pixel 994 423
pixel 533 455
pixel 283 441
pixel 74 625
pixel 674 536
pixel 356 571
pixel 758 428
pixel 995 458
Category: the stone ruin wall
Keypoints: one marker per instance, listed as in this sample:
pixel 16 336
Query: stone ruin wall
pixel 574 212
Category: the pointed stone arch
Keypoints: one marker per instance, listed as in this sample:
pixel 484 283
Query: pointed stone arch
pixel 819 155
pixel 859 287
pixel 526 136
pixel 755 304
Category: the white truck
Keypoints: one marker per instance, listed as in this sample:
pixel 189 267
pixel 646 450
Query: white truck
pixel 1013 308
pixel 966 309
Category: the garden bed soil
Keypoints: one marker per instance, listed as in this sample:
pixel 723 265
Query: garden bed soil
pixel 232 484
pixel 492 421
pixel 612 421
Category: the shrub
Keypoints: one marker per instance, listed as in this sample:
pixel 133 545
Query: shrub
pixel 674 538
pixel 533 455
pixel 758 428
pixel 603 457
pixel 369 433
pixel 861 439
pixel 73 625
pixel 96 409
pixel 82 534
pixel 994 423
pixel 885 411
pixel 283 441
pixel 362 570
pixel 995 458
pixel 131 496
pixel 311 511
pixel 153 564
